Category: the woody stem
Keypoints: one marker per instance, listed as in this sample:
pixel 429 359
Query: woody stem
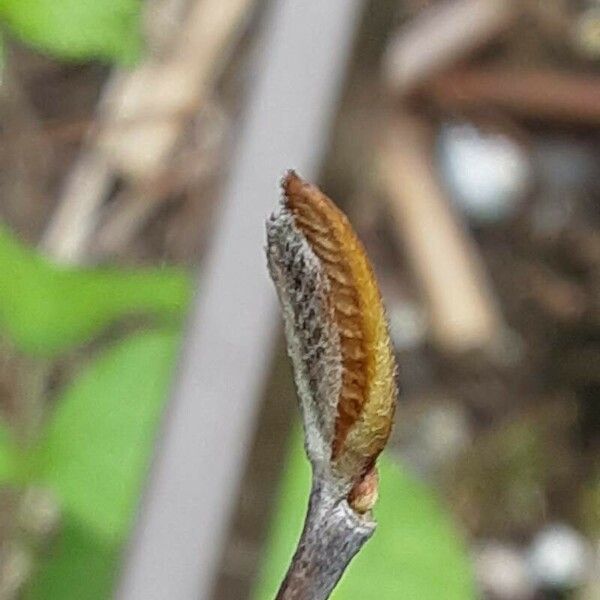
pixel 333 533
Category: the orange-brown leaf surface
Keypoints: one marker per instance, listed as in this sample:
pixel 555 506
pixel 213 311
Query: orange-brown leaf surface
pixel 367 397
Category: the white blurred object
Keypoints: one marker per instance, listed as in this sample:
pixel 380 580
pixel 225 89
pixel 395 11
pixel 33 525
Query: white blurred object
pixel 502 572
pixel 486 173
pixel 560 558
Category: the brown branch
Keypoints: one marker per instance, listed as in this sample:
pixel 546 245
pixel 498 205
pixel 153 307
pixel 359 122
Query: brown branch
pixel 539 94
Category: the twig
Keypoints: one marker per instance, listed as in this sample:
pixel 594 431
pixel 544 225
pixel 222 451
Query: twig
pixel 463 312
pixel 171 85
pixel 333 534
pixel 344 370
pixel 132 207
pixel 87 184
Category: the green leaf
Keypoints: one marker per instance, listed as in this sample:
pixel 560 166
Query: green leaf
pixel 77 29
pixel 45 308
pixel 415 553
pixel 8 456
pixel 78 566
pixel 101 436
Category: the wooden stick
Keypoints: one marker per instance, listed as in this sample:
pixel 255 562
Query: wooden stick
pixel 462 309
pixel 168 86
pixel 86 186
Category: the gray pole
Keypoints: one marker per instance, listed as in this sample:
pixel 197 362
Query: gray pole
pixel 184 518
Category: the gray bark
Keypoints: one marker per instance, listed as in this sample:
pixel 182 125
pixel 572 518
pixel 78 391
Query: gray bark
pixel 333 533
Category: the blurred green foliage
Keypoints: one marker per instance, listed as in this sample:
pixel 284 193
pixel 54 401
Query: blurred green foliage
pixel 96 444
pixel 46 308
pixel 94 457
pixel 100 436
pixel 81 566
pixel 8 456
pixel 414 554
pixel 77 29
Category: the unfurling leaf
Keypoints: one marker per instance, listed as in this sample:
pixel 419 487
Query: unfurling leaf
pixel 337 336
pixel 338 341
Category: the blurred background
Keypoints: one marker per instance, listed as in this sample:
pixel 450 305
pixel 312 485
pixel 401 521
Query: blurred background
pixel 465 148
